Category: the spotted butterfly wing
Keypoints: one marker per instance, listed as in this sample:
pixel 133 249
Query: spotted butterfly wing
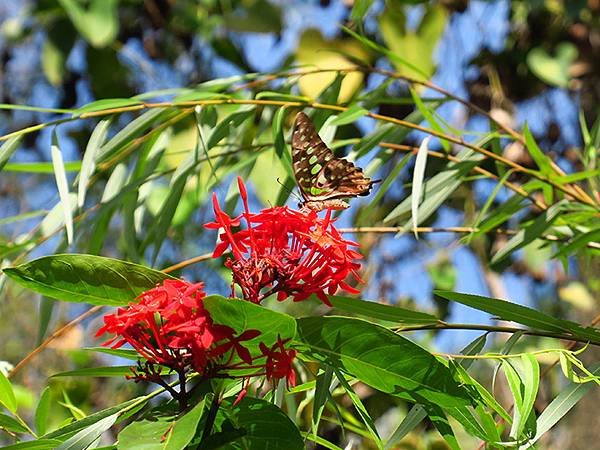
pixel 323 178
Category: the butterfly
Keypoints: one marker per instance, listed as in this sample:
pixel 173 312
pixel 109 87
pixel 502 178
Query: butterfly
pixel 323 178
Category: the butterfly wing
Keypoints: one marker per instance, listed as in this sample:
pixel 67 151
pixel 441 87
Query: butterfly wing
pixel 319 173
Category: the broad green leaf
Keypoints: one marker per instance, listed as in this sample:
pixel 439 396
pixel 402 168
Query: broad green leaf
pixel 11 424
pixel 88 163
pixel 86 279
pixel 521 314
pixel 242 315
pixel 374 310
pixel 381 359
pixel 86 437
pixel 63 188
pixel 8 148
pixel 568 397
pixel 184 428
pixel 417 183
pixel 7 394
pixel 42 412
pixel 257 425
pixel 110 371
pixel 144 434
pixel 414 417
pixel 542 161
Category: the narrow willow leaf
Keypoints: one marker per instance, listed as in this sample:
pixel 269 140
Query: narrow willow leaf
pixel 473 348
pixel 8 148
pixel 569 396
pixel 427 113
pixel 279 141
pixel 417 183
pixel 531 381
pixel 414 417
pixel 88 163
pixel 321 441
pixel 515 385
pixel 72 428
pixel 110 371
pixel 442 424
pixel 322 395
pixel 42 411
pixel 115 183
pixel 381 359
pixel 75 278
pixel 579 242
pixel 542 161
pixel 130 131
pixel 7 394
pixel 528 234
pixel 107 103
pixel 120 352
pixel 11 424
pixel 86 437
pixel 63 188
pixel 360 408
pixel 45 314
pixel 374 310
pixel 351 115
pixel 38 444
pixel 40 167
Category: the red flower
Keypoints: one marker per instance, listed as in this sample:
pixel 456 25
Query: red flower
pixel 279 362
pixel 284 251
pixel 169 326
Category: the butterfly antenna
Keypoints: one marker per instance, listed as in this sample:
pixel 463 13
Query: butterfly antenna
pixel 289 191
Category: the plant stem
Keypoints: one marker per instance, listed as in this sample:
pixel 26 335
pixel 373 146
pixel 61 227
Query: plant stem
pixel 210 419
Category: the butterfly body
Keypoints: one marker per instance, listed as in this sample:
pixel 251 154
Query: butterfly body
pixel 324 179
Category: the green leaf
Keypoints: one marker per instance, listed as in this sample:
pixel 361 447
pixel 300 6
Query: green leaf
pixel 11 424
pixel 183 429
pixel 63 188
pixel 144 435
pixel 45 315
pixel 72 428
pixel 440 421
pixel 553 70
pixel 39 444
pixel 88 163
pixel 414 417
pixel 110 371
pixel 579 242
pixel 86 437
pixel 8 148
pixel 568 397
pixel 242 315
pixel 107 103
pixel 374 310
pixel 322 395
pixel 528 234
pixel 120 352
pixel 417 183
pixel 57 46
pixel 43 411
pixel 351 115
pixel 360 408
pixel 530 374
pixel 428 114
pixel 381 359
pixel 41 167
pixel 542 161
pixel 76 278
pixel 254 424
pixel 98 24
pixel 7 394
pixel 521 314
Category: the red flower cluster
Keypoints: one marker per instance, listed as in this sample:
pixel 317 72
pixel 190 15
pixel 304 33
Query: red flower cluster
pixel 284 251
pixel 169 326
